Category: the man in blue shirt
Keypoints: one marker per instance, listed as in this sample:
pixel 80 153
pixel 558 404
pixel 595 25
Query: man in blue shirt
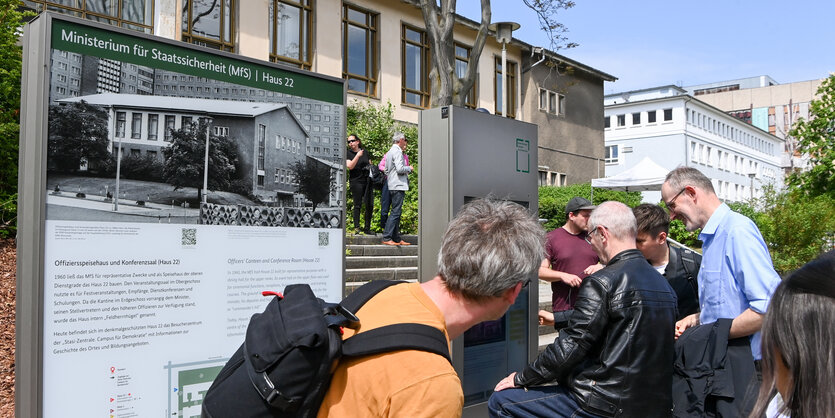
pixel 737 278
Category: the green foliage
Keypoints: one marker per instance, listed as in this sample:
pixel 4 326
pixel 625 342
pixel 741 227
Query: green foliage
pixel 552 200
pixel 374 125
pixel 314 180
pixel 77 136
pixel 11 58
pixel 816 139
pixel 185 159
pixel 795 226
pixel 141 167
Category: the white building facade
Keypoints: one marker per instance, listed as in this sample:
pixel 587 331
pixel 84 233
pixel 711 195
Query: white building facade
pixel 675 129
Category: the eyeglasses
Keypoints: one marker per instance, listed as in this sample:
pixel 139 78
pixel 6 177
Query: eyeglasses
pixel 353 140
pixel 588 236
pixel 671 205
pixel 526 283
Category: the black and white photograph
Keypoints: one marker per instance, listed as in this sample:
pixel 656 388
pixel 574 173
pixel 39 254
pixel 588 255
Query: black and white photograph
pixel 128 143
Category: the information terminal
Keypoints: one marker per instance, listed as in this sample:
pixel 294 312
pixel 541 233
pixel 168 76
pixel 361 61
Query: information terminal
pixel 464 155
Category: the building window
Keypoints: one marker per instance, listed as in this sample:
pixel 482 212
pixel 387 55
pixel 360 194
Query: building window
pixel 551 102
pixel 651 116
pixel 277 175
pixel 607 122
pixel 621 120
pixel 290 32
pixel 551 178
pixel 221 131
pixel 185 123
pixel 209 23
pixel 136 126
pixel 360 58
pixel 169 127
pixel 510 87
pixel 136 14
pixel 636 118
pixel 153 126
pixel 262 143
pixel 121 121
pixel 668 114
pixel 462 59
pixel 415 64
pixel 612 154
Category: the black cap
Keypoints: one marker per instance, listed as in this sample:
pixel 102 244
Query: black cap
pixel 577 204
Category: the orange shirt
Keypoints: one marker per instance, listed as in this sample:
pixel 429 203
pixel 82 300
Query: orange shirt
pixel 405 383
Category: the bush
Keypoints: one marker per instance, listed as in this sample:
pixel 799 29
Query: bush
pixel 147 168
pixel 796 227
pixel 552 200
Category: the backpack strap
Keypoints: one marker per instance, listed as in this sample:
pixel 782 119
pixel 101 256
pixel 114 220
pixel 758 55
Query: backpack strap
pixel 364 293
pixel 691 267
pixel 397 337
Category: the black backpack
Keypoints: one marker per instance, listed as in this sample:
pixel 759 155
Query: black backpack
pixel 376 176
pixel 284 366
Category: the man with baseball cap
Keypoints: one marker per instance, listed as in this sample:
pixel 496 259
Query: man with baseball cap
pixel 568 260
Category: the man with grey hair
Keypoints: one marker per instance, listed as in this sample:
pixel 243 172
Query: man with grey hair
pixel 397 178
pixel 612 359
pixel 490 251
pixel 737 278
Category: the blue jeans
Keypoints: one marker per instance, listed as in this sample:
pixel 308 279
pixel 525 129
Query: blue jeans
pixel 392 230
pixel 540 401
pixel 385 204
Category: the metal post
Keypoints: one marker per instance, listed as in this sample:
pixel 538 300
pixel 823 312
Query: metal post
pixel 118 162
pixel 206 165
pixel 504 79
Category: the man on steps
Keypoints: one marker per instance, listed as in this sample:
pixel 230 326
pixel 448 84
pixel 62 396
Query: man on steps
pixel 397 173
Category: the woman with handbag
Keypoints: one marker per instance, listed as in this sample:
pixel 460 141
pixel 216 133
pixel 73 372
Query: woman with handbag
pixel 358 162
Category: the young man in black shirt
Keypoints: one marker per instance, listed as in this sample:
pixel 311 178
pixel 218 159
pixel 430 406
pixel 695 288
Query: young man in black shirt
pixel 678 264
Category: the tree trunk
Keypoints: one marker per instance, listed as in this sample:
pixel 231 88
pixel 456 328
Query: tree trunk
pixel 447 87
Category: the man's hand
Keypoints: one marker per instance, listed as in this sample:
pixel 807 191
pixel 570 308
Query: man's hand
pixel 546 318
pixel 686 322
pixel 506 383
pixel 360 152
pixel 571 279
pixel 594 268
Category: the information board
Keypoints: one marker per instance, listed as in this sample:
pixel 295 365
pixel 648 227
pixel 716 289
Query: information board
pixel 151 252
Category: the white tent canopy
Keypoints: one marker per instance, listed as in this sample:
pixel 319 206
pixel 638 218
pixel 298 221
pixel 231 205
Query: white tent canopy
pixel 644 176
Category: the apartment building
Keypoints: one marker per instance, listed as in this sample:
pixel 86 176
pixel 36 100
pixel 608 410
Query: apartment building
pixel 675 129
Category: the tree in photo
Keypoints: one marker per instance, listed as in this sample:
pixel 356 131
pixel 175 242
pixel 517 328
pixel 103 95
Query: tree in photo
pixel 78 137
pixel 816 140
pixel 315 181
pixel 185 159
pixel 449 87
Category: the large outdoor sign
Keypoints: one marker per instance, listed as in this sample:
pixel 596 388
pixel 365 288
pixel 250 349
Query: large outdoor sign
pixel 163 187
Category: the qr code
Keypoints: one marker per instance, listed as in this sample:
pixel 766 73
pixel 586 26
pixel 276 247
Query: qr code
pixel 323 239
pixel 189 236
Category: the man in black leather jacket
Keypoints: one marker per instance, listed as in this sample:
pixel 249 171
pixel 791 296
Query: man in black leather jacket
pixel 615 358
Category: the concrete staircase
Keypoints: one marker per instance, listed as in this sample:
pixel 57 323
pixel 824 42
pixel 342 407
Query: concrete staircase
pixel 368 259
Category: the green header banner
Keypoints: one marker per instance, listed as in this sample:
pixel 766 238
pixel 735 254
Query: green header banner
pixel 117 46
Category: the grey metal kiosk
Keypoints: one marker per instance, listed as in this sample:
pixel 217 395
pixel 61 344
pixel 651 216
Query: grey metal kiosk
pixel 464 155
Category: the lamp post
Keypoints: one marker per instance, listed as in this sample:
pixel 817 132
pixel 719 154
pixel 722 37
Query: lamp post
pixel 504 34
pixel 114 126
pixel 206 162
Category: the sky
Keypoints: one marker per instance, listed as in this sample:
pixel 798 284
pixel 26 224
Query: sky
pixel 649 43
